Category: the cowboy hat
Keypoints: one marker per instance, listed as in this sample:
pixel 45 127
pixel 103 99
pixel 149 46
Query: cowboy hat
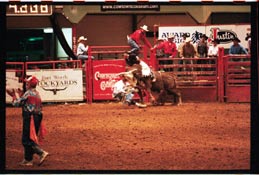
pixel 188 40
pixel 160 39
pixel 215 40
pixel 236 39
pixel 144 27
pixel 185 35
pixel 170 36
pixel 81 38
pixel 204 36
pixel 248 35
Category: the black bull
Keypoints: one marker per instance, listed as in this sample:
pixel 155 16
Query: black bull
pixel 165 85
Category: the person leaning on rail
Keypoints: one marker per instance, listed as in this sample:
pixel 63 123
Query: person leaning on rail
pixel 202 51
pixel 237 49
pixel 188 51
pixel 248 39
pixel 213 51
pixel 82 49
pixel 214 48
pixel 170 49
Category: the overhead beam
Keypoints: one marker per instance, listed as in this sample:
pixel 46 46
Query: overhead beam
pixel 200 13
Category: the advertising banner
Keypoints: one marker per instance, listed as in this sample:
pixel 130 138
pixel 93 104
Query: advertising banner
pixel 12 82
pixel 59 85
pixel 225 33
pixel 105 75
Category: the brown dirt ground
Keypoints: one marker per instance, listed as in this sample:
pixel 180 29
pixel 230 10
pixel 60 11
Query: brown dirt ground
pixel 112 136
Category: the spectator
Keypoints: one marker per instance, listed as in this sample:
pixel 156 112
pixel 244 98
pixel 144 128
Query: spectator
pixel 248 39
pixel 214 48
pixel 82 49
pixel 159 52
pixel 213 51
pixel 202 46
pixel 184 36
pixel 135 38
pixel 202 50
pixel 188 51
pixel 236 48
pixel 170 49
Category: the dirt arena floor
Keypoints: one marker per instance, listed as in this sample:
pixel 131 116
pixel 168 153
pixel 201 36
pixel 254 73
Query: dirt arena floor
pixel 112 136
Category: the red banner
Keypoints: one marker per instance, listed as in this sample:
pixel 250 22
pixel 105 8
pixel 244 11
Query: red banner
pixel 104 76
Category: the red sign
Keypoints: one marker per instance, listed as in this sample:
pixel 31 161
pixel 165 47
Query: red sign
pixel 104 76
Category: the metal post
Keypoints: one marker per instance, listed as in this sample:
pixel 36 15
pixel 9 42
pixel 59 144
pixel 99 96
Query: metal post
pixel 89 76
pixel 153 61
pixel 145 54
pixel 220 75
pixel 155 27
pixel 74 43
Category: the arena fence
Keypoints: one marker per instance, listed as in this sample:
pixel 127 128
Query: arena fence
pixel 224 79
pixel 17 68
pixel 60 81
pixel 199 79
pixel 198 82
pixel 237 78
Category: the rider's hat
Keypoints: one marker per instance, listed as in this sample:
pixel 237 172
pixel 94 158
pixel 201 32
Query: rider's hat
pixel 144 27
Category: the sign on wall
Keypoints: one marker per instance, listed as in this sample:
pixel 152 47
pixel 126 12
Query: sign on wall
pixel 115 7
pixel 225 33
pixel 105 75
pixel 59 85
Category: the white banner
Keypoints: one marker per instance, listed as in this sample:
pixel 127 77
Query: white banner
pixel 12 82
pixel 225 33
pixel 59 85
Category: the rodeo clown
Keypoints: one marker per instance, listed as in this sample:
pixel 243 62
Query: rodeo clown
pixel 32 121
pixel 124 89
pixel 132 59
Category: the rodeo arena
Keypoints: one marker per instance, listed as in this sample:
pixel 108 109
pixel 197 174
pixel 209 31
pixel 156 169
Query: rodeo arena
pixel 128 87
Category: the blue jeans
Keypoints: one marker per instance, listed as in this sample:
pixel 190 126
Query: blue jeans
pixel 134 46
pixel 129 97
pixel 84 57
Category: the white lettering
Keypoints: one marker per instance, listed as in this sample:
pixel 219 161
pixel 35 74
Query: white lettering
pixel 106 84
pixel 110 76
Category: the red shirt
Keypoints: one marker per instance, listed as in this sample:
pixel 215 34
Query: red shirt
pixel 169 48
pixel 140 35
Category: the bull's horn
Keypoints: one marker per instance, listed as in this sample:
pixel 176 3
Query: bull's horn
pixel 121 73
pixel 132 70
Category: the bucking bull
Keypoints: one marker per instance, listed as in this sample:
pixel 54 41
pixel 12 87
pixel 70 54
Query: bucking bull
pixel 164 85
